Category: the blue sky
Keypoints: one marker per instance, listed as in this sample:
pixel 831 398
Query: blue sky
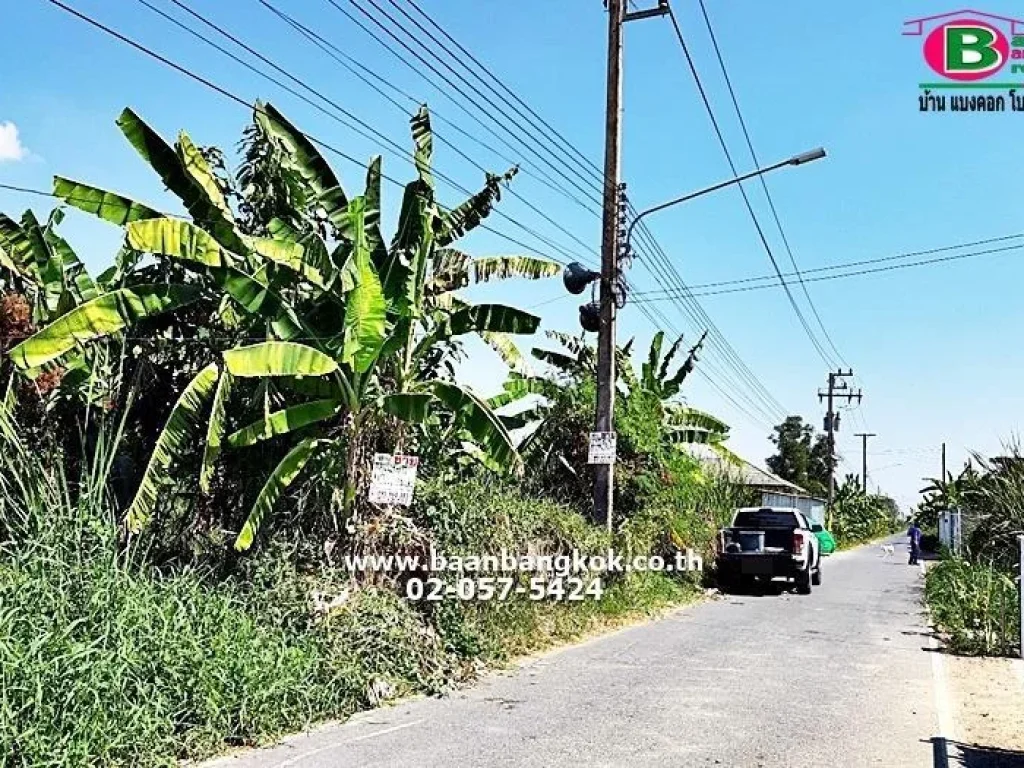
pixel 931 347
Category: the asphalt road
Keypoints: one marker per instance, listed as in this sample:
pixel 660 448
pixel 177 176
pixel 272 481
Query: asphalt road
pixel 841 677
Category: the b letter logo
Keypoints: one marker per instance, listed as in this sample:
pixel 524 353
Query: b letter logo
pixel 966 50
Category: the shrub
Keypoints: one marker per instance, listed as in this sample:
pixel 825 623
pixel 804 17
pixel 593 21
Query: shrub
pixel 975 605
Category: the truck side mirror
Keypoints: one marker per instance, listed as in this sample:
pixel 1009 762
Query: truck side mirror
pixel 817 528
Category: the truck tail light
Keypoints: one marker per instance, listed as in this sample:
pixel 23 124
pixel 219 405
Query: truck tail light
pixel 798 543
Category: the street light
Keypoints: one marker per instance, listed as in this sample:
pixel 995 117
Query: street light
pixel 801 159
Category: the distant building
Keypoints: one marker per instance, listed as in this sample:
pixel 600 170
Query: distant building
pixel 773 490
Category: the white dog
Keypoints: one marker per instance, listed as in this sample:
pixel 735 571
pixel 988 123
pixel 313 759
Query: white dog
pixel 888 549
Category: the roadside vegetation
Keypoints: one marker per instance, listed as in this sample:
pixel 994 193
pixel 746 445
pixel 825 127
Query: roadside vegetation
pixel 856 516
pixel 972 595
pixel 185 443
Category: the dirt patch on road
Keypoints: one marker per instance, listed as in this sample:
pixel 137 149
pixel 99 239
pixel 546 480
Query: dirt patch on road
pixel 988 701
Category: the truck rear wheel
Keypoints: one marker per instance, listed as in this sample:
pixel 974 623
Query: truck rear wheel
pixel 816 576
pixel 803 583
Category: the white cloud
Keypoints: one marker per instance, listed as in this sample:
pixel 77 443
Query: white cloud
pixel 11 147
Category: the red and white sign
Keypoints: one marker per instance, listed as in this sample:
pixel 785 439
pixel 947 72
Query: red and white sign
pixel 394 479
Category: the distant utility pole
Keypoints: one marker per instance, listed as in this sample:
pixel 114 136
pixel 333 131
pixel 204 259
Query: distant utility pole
pixel 864 456
pixel 837 387
pixel 942 477
pixel 610 232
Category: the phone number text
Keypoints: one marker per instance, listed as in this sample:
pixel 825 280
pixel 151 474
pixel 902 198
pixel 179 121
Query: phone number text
pixel 571 588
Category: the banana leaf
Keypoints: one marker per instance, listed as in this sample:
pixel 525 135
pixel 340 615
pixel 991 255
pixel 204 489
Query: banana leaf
pixel 278 358
pixel 307 160
pixel 215 430
pixel 198 168
pixel 167 163
pixel 290 254
pixel 284 421
pixel 175 239
pixel 477 418
pixel 257 299
pixel 489 268
pixel 413 407
pixel 106 314
pixel 176 438
pixel 108 206
pixel 469 215
pixel 365 307
pixel 280 479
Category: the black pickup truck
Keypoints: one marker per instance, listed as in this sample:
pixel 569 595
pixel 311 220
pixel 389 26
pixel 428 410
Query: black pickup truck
pixel 768 542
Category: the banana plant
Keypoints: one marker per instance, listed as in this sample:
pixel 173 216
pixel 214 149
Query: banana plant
pixel 39 265
pixel 682 425
pixel 655 372
pixel 343 320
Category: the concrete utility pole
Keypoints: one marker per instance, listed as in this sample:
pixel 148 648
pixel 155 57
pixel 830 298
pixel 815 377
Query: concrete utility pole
pixel 864 457
pixel 604 473
pixel 836 381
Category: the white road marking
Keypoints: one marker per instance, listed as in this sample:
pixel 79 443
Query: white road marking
pixel 298 758
pixel 943 705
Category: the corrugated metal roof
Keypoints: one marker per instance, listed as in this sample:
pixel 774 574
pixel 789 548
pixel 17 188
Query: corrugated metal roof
pixel 744 472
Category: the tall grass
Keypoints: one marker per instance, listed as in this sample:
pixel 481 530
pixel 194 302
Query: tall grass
pixel 976 606
pixel 106 662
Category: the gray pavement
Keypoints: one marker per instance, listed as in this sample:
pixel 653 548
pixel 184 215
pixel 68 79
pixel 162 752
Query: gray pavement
pixel 841 677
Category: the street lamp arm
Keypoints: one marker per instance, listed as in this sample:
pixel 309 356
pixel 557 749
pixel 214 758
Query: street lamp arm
pixel 805 157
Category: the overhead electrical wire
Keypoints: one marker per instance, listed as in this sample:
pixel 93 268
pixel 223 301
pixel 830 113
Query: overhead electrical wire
pixel 238 99
pixel 763 180
pixel 812 337
pixel 854 273
pixel 849 264
pixel 213 86
pixel 689 305
pixel 407 48
pixel 525 145
pixel 402 151
pixel 346 118
pixel 569 160
pixel 377 83
pixel 481 67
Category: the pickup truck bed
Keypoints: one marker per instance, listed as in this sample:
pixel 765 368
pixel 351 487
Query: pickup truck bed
pixel 768 543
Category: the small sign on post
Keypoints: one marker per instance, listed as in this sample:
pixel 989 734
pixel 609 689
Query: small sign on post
pixel 602 448
pixel 394 479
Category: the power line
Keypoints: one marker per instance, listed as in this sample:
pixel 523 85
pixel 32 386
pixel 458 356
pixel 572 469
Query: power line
pixel 483 67
pixel 361 127
pixel 419 71
pixel 334 53
pixel 849 264
pixel 855 273
pixel 664 322
pixel 238 99
pixel 659 262
pixel 214 86
pixel 746 199
pixel 764 182
pixel 596 174
pixel 450 83
pixel 367 75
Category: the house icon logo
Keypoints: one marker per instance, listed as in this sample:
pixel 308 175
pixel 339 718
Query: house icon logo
pixel 975 55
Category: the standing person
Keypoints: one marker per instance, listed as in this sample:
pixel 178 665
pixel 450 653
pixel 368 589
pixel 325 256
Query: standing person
pixel 915 542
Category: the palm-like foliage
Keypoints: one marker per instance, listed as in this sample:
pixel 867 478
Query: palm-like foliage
pixel 320 305
pixel 655 374
pixel 859 516
pixel 542 399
